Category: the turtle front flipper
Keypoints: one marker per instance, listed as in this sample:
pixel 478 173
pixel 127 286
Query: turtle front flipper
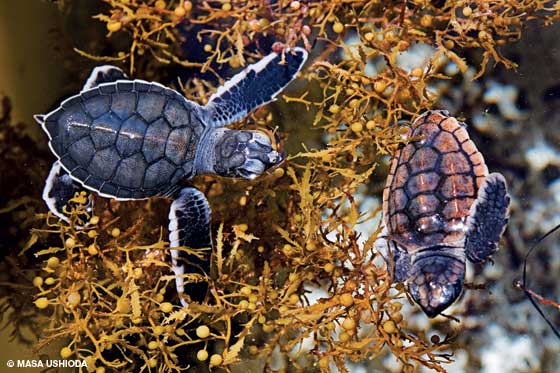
pixel 59 189
pixel 403 263
pixel 487 219
pixel 189 227
pixel 103 74
pixel 255 86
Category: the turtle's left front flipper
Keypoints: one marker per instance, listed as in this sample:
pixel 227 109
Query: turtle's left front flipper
pixel 488 218
pixel 253 87
pixel 189 226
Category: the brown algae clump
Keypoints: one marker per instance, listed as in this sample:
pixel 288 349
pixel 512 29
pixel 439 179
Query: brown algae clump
pixel 105 291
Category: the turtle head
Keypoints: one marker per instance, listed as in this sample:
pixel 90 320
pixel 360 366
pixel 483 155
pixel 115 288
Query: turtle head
pixel 245 154
pixel 436 282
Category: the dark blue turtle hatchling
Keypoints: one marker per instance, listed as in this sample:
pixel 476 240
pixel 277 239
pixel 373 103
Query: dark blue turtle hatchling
pixel 441 207
pixel 132 139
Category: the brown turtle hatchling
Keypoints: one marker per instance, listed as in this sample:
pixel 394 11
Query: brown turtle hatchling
pixel 440 207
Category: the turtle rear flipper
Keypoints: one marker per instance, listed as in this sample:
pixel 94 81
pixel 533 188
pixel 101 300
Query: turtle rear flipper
pixel 59 189
pixel 103 74
pixel 189 226
pixel 253 87
pixel 487 219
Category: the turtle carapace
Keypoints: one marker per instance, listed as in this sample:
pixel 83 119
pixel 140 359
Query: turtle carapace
pixel 441 207
pixel 132 139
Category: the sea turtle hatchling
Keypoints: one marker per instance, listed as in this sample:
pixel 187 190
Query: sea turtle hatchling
pixel 441 206
pixel 132 139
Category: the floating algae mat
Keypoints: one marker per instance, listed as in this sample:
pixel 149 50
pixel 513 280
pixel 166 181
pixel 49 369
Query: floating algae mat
pixel 202 187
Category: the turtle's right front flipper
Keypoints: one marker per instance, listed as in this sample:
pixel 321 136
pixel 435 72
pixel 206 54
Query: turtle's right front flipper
pixel 189 227
pixel 253 87
pixel 59 189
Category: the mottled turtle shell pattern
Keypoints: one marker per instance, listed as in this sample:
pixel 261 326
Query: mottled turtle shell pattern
pixel 433 181
pixel 128 140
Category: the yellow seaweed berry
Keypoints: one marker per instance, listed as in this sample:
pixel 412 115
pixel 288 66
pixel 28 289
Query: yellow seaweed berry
pixel 338 27
pixel 160 4
pixel 179 11
pixel 94 220
pixel 74 299
pixel 152 363
pixel 115 232
pixel 426 20
pixel 158 330
pixel 202 355
pixel 294 298
pixel 37 281
pixel 100 370
pixel 344 337
pixel 65 352
pixel 53 262
pixel 329 267
pixel 166 307
pixel 202 331
pixel 263 22
pixel 370 124
pixel 215 360
pixel 295 5
pixel 207 48
pixel 356 127
pixel 346 299
pixel 153 345
pixel 467 11
pixel 226 7
pixel 90 362
pixel 92 249
pixel 349 323
pixel 324 362
pixel 187 5
pixel 114 26
pixel 417 72
pixel 42 303
pixel 334 108
pixel 379 86
pixel 278 173
pixel 49 281
pixel 389 326
pixel 70 243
